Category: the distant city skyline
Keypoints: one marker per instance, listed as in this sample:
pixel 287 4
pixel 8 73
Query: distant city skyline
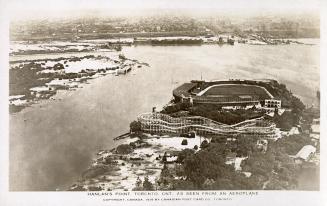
pixel 21 9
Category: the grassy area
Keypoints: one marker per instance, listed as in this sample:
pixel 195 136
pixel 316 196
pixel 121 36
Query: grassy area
pixel 239 90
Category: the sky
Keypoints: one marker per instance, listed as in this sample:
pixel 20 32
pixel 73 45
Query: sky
pixel 29 8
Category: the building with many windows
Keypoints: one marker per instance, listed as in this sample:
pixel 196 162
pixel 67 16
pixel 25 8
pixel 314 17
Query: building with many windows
pixel 273 103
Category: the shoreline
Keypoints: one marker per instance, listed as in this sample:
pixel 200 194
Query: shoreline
pixel 123 171
pixel 58 77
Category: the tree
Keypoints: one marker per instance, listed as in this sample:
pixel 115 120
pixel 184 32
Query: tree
pixel 147 185
pixel 215 113
pixel 184 154
pixel 245 145
pixel 204 144
pixel 184 142
pixel 138 182
pixel 176 107
pixel 259 164
pixel 138 185
pixel 124 149
pixel 165 175
pixel 164 158
pixel 292 144
pixel 135 126
pixel 219 139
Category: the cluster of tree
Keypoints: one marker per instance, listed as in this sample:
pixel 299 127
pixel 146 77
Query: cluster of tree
pixel 122 57
pixel 279 91
pixel 205 165
pixel 292 144
pixel 166 178
pixel 276 169
pixel 244 146
pixel 204 144
pixel 21 79
pixel 259 164
pixel 309 114
pixel 139 144
pixel 183 154
pixel 135 126
pixel 124 149
pixel 77 59
pixel 206 169
pixel 273 169
pixel 176 107
pixel 116 47
pixel 38 60
pixel 145 185
pixel 65 75
pixel 215 113
pixel 286 121
pixel 28 75
pixel 58 66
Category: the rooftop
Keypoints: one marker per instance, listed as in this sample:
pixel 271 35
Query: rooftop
pixel 184 89
pixel 305 152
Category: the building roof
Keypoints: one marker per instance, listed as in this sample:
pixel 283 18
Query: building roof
pixel 315 136
pixel 315 128
pixel 305 152
pixel 184 89
pixel 316 121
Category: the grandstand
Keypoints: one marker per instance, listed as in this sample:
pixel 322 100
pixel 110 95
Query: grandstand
pixel 162 123
pixel 225 93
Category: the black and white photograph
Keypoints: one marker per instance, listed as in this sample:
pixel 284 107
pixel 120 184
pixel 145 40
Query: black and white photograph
pixel 149 98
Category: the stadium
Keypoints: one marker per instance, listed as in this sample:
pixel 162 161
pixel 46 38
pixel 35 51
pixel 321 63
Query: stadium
pixel 162 123
pixel 226 93
pixel 240 93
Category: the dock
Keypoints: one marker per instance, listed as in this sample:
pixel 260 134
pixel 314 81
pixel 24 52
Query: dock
pixel 123 136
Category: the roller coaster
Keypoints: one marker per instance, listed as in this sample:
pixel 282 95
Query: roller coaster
pixel 161 123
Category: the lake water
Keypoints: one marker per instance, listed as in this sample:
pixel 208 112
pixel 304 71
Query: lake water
pixel 52 142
